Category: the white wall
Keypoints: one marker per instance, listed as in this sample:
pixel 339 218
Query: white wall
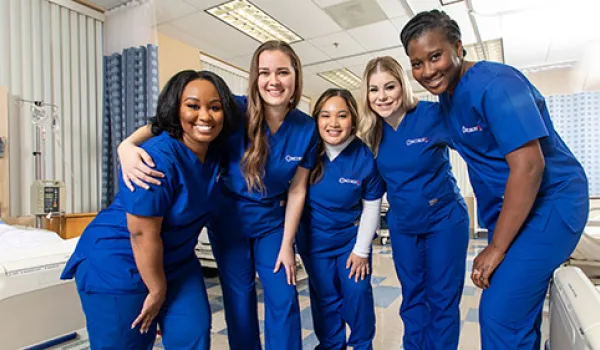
pixel 52 51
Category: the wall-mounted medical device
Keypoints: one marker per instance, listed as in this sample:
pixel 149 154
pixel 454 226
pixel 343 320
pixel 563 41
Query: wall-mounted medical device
pixel 48 196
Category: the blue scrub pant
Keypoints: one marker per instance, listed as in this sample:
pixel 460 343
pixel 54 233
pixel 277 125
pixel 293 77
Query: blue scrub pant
pixel 239 259
pixel 184 319
pixel 431 269
pixel 510 311
pixel 336 300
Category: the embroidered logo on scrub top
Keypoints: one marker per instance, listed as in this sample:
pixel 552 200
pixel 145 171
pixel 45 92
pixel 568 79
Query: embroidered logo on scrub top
pixel 289 158
pixel 419 140
pixel 472 129
pixel 343 180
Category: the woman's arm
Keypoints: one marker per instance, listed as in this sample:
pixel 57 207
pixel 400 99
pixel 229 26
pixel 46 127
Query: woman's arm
pixel 293 212
pixel 148 254
pixel 358 261
pixel 136 164
pixel 526 171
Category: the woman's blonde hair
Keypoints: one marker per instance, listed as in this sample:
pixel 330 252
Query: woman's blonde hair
pixel 254 159
pixel 370 126
pixel 317 173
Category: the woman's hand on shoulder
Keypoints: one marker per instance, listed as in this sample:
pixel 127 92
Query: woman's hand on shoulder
pixel 136 166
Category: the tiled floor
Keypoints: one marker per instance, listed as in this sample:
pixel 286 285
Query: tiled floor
pixel 387 295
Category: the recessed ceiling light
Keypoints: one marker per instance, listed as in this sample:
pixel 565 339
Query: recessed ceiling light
pixel 252 21
pixel 342 78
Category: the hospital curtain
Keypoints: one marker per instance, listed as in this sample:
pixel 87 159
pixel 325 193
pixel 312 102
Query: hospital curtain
pixel 576 119
pixel 52 52
pixel 131 83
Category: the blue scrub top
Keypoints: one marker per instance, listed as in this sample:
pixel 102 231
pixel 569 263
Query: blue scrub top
pixel 496 110
pixel 292 146
pixel 414 163
pixel 334 204
pixel 183 200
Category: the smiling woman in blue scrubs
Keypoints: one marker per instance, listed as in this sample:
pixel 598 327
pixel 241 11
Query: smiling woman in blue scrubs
pixel 428 219
pixel 532 193
pixel 135 264
pixel 340 218
pixel 263 192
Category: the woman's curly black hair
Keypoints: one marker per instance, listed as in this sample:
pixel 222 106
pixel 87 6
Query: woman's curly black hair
pixel 429 20
pixel 169 103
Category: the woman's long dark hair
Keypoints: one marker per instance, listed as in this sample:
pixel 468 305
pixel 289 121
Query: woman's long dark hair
pixel 169 103
pixel 317 173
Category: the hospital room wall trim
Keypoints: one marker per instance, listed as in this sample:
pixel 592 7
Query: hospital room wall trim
pixel 53 52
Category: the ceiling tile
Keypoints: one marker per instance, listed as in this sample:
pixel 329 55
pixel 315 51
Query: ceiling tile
pixel 376 36
pixel 359 70
pixel 359 60
pixel 424 5
pixel 308 53
pixel 206 27
pixel 303 17
pixel 398 54
pixel 201 4
pixel 106 4
pixel 392 8
pixel 399 23
pixel 322 67
pixel 209 48
pixel 346 45
pixel 326 3
pixel 168 11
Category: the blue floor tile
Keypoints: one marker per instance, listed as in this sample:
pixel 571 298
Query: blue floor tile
pixel 385 295
pixel 472 315
pixel 306 319
pixel 216 304
pixel 211 282
pixel 376 280
pixel 469 290
pixel 304 292
pixel 310 342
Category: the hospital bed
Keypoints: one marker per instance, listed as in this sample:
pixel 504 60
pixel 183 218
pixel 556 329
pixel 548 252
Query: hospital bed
pixel 574 311
pixel 587 253
pixel 36 307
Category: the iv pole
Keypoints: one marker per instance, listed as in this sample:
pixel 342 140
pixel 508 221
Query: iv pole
pixel 39 117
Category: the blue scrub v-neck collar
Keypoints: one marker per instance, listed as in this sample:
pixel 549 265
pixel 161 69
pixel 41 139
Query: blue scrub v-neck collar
pixel 406 115
pixel 281 127
pixel 464 81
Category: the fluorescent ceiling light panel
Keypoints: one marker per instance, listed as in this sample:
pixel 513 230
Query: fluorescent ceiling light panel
pixel 551 66
pixel 342 78
pixel 493 49
pixel 252 21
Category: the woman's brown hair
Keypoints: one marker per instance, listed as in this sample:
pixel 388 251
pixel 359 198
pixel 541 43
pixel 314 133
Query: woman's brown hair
pixel 317 173
pixel 255 158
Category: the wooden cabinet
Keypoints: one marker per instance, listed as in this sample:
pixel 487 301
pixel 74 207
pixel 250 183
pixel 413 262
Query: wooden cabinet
pixel 68 225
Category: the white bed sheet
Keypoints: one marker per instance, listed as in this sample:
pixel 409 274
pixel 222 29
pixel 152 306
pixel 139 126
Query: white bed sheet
pixel 589 245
